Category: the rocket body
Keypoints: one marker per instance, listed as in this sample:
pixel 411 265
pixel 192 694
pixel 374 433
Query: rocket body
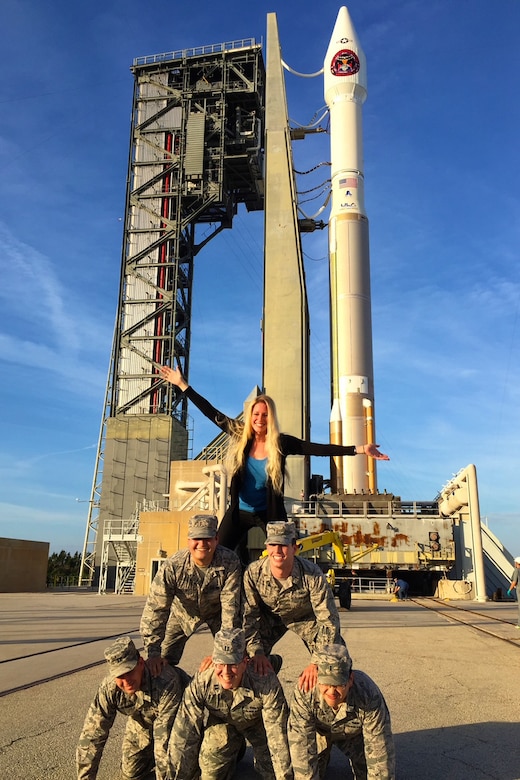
pixel 345 86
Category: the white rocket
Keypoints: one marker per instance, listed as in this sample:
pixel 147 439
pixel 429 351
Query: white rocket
pixel 351 421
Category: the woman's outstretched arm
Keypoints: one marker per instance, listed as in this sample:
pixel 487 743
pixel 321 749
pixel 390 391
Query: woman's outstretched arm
pixel 174 375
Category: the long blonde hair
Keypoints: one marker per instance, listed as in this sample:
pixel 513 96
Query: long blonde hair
pixel 242 433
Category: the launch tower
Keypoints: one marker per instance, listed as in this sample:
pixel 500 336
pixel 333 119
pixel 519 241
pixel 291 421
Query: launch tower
pixel 195 155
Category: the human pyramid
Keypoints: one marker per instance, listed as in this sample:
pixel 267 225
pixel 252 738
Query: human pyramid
pixel 182 729
pixel 179 729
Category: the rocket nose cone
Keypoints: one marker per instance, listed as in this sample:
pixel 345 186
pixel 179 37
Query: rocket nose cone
pixel 343 24
pixel 344 34
pixel 344 56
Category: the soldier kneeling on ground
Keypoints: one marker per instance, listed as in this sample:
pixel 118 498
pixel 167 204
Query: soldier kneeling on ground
pixel 150 703
pixel 221 708
pixel 346 709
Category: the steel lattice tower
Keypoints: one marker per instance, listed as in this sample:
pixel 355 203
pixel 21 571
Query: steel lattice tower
pixel 196 149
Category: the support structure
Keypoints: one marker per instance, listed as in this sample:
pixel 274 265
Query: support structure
pixel 286 316
pixel 195 154
pixel 459 501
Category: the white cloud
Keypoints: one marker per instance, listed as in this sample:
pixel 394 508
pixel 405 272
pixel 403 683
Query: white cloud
pixel 32 291
pixel 44 325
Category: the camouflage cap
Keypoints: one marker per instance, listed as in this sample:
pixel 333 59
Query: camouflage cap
pixel 334 665
pixel 202 527
pixel 122 656
pixel 281 533
pixel 229 646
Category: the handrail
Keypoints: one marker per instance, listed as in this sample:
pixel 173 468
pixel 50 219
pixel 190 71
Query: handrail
pixel 363 506
pixel 197 51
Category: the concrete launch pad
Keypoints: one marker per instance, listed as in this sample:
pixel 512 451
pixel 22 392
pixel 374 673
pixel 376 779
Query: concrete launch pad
pixel 453 691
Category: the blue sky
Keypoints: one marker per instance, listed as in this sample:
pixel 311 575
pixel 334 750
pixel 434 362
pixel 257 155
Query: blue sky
pixel 441 130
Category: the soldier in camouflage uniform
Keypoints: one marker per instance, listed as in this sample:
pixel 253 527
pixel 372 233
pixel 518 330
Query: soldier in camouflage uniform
pixel 283 591
pixel 201 584
pixel 346 709
pixel 235 704
pixel 150 703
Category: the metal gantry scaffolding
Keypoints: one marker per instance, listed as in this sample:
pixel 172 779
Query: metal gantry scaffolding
pixel 196 153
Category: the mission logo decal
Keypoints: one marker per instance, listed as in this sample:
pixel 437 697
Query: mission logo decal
pixel 344 63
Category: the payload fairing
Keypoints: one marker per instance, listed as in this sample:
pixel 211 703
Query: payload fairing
pixel 351 421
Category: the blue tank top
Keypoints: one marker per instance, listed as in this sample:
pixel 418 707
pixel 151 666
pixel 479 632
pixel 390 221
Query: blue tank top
pixel 253 493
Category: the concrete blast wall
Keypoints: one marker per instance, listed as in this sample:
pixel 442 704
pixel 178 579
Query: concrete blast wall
pixel 23 566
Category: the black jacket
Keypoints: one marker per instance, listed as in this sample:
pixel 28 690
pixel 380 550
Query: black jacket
pixel 290 445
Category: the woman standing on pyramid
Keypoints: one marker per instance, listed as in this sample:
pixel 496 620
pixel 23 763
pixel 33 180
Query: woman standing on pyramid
pixel 257 456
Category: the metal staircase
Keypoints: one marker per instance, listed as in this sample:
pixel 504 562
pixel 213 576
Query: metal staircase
pixel 120 538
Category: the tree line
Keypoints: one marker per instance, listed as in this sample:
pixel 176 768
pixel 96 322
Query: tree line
pixel 63 569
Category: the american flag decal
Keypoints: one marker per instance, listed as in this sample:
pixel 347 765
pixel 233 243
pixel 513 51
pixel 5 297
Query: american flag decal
pixel 350 182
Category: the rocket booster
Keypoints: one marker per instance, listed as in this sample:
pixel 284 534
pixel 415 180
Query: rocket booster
pixel 345 86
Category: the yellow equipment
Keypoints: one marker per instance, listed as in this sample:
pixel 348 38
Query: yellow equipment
pixel 341 551
pixel 314 541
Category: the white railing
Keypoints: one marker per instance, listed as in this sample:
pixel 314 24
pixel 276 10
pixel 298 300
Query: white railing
pixel 154 505
pixel 118 528
pixel 197 51
pixel 374 585
pixel 334 506
pixel 208 496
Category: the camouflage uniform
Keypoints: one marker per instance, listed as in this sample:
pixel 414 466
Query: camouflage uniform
pixel 151 712
pixel 359 727
pixel 257 710
pixel 304 603
pixel 183 597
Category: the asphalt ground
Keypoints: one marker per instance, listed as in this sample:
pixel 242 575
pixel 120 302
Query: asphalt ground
pixel 452 690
